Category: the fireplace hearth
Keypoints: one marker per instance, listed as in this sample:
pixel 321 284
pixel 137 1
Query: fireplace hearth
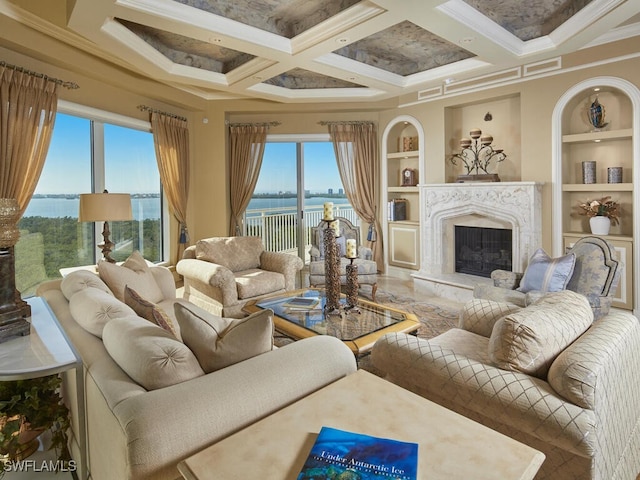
pixel 479 251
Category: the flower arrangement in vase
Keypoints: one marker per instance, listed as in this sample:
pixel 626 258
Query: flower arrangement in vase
pixel 602 213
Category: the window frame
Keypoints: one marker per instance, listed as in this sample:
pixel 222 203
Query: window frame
pixel 98 118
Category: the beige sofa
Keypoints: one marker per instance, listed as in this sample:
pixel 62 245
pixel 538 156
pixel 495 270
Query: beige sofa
pixel 142 433
pixel 221 274
pixel 533 375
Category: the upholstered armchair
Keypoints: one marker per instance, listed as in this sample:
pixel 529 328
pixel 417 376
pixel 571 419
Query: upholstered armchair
pixel 594 274
pixel 221 274
pixel 546 375
pixel 367 267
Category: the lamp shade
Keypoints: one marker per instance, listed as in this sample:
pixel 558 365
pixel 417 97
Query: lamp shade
pixel 104 207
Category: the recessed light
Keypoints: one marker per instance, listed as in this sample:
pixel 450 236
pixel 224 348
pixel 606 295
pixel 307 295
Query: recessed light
pixel 342 40
pixel 597 141
pixel 597 89
pixel 449 81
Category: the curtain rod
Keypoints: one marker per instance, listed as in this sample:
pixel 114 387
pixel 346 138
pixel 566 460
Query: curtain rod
pixel 57 81
pixel 259 124
pixel 347 122
pixel 144 108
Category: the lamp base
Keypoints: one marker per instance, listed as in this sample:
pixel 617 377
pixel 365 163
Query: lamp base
pixel 13 310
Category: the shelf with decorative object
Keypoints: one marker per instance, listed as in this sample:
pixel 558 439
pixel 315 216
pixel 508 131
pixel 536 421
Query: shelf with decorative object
pixel 595 139
pixel 402 169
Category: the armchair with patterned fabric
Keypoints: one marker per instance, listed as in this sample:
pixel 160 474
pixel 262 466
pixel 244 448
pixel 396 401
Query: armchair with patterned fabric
pixel 367 267
pixel 590 268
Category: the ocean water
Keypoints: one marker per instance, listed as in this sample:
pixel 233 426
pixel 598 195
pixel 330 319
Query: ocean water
pixel 150 207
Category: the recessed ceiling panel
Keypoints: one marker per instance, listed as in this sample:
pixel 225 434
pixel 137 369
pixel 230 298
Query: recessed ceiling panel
pixel 404 49
pixel 299 79
pixel 189 51
pixel 286 18
pixel 530 19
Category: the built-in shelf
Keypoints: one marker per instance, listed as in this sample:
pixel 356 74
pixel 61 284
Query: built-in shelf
pixel 403 189
pixel 405 222
pixel 606 237
pixel 413 153
pixel 594 136
pixel 597 187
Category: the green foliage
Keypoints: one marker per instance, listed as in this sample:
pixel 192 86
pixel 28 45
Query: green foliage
pixel 38 402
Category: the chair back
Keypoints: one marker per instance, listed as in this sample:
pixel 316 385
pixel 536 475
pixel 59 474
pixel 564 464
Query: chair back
pixel 596 270
pixel 347 231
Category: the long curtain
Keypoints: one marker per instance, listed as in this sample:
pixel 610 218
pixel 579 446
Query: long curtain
pixel 246 143
pixel 171 141
pixel 28 105
pixel 356 148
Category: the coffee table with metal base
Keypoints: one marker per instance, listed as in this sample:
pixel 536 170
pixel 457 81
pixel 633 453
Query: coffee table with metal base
pixel 358 330
pixel 450 446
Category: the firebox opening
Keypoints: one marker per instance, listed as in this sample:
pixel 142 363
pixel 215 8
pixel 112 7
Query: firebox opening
pixel 479 251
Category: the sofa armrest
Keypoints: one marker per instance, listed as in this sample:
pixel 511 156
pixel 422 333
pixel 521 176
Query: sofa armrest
pixel 499 294
pixel 206 409
pixel 511 398
pixel 209 274
pixel 284 263
pixel 506 279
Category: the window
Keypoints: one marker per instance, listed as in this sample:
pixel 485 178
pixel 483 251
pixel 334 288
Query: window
pixel 90 150
pixel 297 175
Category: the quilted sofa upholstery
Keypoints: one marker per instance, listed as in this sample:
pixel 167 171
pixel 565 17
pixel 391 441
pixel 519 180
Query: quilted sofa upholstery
pixel 581 409
pixel 221 274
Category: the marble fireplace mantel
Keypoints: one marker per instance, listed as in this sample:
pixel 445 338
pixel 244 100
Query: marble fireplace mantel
pixel 512 205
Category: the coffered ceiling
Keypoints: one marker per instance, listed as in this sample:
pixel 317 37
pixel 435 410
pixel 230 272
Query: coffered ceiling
pixel 333 50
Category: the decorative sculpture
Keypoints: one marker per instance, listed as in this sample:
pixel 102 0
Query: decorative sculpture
pixel 13 310
pixel 596 115
pixel 476 155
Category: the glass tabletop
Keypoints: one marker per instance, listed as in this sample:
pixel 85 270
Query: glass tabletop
pixel 345 325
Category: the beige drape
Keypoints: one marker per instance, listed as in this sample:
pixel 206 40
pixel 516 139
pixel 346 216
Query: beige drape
pixel 246 143
pixel 28 105
pixel 356 148
pixel 171 141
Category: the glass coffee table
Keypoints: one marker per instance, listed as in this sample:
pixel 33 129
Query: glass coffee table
pixel 359 330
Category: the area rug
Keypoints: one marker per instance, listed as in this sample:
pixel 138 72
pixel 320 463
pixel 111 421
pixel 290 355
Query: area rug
pixel 435 317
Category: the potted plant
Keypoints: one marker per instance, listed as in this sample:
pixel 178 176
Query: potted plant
pixel 602 213
pixel 28 408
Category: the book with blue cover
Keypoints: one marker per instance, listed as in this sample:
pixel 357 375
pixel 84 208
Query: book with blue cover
pixel 355 456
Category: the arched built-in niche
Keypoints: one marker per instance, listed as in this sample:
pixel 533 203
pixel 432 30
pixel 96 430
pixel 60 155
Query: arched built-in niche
pixel 401 154
pixel 616 144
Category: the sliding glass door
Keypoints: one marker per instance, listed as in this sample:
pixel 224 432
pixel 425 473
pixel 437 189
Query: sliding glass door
pixel 296 179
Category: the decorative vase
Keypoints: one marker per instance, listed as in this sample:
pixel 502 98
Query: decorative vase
pixel 600 225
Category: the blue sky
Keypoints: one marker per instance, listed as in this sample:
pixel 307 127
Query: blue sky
pixel 131 164
pixel 129 158
pixel 279 168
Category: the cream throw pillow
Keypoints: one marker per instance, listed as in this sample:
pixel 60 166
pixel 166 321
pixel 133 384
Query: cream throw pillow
pixel 133 272
pixel 235 253
pixel 530 339
pixel 218 342
pixel 150 355
pixel 92 308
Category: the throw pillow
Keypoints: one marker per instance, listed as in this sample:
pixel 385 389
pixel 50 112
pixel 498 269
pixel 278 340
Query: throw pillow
pixel 92 308
pixel 235 253
pixel 530 339
pixel 150 311
pixel 547 274
pixel 218 342
pixel 150 355
pixel 134 272
pixel 79 280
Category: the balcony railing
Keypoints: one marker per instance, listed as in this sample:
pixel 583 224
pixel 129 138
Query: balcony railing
pixel 278 227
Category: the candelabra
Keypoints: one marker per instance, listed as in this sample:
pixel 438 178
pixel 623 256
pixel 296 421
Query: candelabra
pixel 331 268
pixel 352 286
pixel 477 153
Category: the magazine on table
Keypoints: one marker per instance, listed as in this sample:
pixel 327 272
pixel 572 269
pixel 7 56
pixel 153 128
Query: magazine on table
pixel 336 452
pixel 302 303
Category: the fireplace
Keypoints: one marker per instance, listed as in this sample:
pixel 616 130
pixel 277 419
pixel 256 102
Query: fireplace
pixel 511 206
pixel 479 250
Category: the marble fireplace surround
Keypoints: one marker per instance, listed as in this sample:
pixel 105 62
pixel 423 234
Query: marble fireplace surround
pixel 510 205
